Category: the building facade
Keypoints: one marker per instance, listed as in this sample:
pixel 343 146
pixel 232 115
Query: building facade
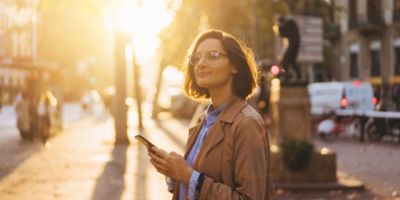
pixel 18 22
pixel 19 67
pixel 366 45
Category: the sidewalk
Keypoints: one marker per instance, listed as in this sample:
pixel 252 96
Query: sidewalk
pixel 83 163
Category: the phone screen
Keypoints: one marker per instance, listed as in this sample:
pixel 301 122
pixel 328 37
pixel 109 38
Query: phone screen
pixel 144 141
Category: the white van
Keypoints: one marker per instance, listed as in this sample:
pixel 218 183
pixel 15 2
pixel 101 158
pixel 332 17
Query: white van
pixel 330 96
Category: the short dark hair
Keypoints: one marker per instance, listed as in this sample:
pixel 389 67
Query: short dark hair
pixel 239 55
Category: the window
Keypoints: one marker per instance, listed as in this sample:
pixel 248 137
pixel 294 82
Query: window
pixel 396 10
pixel 375 62
pixel 374 11
pixel 352 12
pixel 397 60
pixel 353 65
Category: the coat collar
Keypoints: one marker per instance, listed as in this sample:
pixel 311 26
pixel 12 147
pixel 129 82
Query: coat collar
pixel 216 134
pixel 233 107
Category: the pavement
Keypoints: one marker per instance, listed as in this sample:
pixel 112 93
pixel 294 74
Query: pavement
pixel 83 162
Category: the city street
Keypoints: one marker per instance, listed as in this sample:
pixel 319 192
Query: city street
pixel 376 164
pixel 81 162
pixel 321 67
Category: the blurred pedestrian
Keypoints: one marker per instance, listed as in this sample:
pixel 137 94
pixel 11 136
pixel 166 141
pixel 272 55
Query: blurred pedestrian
pixel 1 94
pixel 227 154
pixel 46 103
pixel 23 118
pixel 396 96
pixel 86 101
pixel 107 101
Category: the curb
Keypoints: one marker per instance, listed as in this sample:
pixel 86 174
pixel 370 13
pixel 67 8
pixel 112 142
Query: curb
pixel 341 184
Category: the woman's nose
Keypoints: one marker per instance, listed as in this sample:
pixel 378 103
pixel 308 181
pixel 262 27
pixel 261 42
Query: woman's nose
pixel 202 61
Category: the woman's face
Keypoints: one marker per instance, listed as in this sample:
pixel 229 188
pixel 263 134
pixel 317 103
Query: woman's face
pixel 212 68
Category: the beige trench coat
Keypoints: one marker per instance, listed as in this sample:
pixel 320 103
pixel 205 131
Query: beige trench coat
pixel 234 156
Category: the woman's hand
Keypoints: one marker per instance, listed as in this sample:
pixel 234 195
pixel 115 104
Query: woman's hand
pixel 170 164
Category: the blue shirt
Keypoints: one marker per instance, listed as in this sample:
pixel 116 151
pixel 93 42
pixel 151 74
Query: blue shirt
pixel 211 117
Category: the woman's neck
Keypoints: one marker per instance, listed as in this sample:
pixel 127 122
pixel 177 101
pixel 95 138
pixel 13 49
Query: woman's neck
pixel 219 97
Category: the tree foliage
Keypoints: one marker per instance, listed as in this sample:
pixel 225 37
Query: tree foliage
pixel 250 20
pixel 176 39
pixel 70 32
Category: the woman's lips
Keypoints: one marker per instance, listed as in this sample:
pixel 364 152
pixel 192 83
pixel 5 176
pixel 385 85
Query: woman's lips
pixel 201 74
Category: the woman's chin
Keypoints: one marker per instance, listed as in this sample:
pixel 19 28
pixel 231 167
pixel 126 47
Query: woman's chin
pixel 202 83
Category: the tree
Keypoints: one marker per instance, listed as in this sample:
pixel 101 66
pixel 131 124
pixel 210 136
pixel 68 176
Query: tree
pixel 175 40
pixel 70 32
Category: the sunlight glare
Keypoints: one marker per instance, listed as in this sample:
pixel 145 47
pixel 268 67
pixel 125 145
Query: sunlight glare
pixel 128 52
pixel 173 76
pixel 151 18
pixel 325 151
pixel 143 20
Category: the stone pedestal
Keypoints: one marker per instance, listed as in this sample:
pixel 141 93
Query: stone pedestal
pixel 321 169
pixel 290 113
pixel 291 119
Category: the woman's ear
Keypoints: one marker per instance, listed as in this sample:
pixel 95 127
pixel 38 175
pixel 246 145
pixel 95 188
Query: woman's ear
pixel 234 70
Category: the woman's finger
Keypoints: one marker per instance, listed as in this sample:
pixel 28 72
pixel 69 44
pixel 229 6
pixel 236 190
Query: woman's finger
pixel 173 153
pixel 156 158
pixel 159 152
pixel 158 167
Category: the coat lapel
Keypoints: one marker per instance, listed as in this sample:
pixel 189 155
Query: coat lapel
pixel 216 134
pixel 194 130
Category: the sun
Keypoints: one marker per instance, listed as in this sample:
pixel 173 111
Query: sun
pixel 143 20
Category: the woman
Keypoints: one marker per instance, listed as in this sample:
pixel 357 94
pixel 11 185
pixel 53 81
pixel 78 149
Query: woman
pixel 227 154
pixel 23 119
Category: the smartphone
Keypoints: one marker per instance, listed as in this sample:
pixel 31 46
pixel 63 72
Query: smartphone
pixel 144 141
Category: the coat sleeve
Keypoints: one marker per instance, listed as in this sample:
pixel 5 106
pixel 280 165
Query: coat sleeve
pixel 251 153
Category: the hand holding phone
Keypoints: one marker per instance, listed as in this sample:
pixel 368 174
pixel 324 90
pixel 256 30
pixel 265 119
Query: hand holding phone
pixel 144 141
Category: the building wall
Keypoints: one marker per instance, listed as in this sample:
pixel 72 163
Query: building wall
pixel 353 36
pixel 17 45
pixel 363 39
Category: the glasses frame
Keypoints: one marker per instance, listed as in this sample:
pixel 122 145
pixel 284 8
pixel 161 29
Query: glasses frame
pixel 207 55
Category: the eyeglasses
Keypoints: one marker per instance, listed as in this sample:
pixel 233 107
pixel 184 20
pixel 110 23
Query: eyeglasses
pixel 209 56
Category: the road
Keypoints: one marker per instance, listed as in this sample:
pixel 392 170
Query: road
pixel 376 164
pixel 83 163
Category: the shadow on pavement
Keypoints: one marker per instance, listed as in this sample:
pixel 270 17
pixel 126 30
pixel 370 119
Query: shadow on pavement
pixel 15 153
pixel 110 184
pixel 142 179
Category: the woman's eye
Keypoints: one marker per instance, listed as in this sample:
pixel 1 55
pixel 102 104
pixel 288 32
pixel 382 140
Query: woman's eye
pixel 213 55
